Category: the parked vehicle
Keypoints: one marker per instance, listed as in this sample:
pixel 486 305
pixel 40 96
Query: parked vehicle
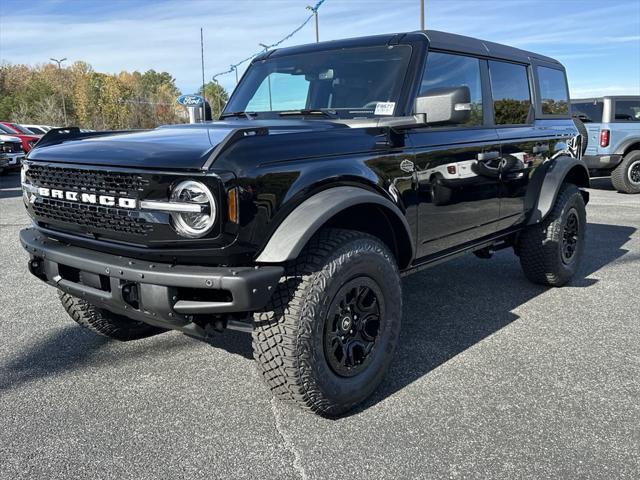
pixel 4 161
pixel 11 152
pixel 294 217
pixel 28 140
pixel 34 129
pixel 613 130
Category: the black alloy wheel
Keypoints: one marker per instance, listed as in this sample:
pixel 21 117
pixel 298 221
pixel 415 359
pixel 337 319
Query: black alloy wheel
pixel 570 236
pixel 352 327
pixel 634 173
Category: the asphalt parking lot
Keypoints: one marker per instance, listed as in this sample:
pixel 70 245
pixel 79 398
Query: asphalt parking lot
pixel 494 378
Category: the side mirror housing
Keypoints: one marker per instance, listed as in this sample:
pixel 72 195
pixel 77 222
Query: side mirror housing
pixel 445 105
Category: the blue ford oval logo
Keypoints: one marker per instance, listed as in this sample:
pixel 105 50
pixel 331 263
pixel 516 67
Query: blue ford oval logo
pixel 190 100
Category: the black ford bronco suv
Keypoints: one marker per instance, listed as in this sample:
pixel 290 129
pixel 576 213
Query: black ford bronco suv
pixel 335 169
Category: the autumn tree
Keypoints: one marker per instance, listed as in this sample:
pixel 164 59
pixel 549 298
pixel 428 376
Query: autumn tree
pixel 217 97
pixel 33 94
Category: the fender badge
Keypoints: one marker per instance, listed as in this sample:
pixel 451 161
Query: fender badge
pixel 407 166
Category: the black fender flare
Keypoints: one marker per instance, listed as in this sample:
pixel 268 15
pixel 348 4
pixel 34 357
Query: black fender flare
pixel 624 146
pixel 546 182
pixel 306 219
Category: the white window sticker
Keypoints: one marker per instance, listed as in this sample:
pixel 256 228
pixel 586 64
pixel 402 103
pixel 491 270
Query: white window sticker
pixel 384 108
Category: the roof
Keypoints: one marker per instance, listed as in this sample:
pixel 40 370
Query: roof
pixel 437 40
pixel 460 43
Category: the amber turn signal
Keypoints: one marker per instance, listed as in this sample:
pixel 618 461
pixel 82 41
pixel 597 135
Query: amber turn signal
pixel 232 202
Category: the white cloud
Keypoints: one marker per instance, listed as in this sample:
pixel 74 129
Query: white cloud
pixel 586 91
pixel 115 36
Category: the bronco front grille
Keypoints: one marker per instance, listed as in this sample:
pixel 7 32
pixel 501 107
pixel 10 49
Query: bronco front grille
pixel 97 181
pixel 98 218
pixel 72 216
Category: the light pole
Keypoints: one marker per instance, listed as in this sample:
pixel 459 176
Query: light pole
pixel 266 48
pixel 204 94
pixel 421 14
pixel 315 14
pixel 64 106
pixel 218 90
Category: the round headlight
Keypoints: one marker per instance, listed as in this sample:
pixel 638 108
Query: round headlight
pixel 198 223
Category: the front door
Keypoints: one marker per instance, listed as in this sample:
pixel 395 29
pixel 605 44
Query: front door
pixel 457 165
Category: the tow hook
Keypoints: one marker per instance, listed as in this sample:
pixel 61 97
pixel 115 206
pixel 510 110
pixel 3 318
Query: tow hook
pixel 36 267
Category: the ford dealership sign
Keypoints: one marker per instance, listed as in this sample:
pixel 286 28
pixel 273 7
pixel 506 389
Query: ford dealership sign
pixel 190 100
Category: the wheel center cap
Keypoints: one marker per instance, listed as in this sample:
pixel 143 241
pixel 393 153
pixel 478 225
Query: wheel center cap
pixel 345 324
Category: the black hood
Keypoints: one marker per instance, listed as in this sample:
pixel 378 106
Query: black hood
pixel 169 147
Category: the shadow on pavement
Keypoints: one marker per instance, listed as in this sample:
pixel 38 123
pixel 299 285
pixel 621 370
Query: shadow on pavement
pixel 602 183
pixel 455 305
pixel 10 185
pixel 447 309
pixel 73 348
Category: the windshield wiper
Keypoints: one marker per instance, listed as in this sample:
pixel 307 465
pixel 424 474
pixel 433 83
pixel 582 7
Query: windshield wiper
pixel 248 115
pixel 318 111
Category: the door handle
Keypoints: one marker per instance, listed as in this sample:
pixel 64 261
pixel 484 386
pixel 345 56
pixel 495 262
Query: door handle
pixel 484 156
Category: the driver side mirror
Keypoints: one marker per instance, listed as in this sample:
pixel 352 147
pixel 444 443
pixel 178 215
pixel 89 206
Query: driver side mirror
pixel 445 105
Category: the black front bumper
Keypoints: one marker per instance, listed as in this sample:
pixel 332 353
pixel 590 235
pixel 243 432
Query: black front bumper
pixel 160 294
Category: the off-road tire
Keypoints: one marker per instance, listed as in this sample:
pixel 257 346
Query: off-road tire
pixel 105 323
pixel 621 175
pixel 289 336
pixel 540 246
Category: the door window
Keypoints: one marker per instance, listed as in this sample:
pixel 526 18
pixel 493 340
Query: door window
pixel 553 91
pixel 444 70
pixel 511 95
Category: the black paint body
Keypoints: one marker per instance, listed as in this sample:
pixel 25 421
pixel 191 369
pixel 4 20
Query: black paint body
pixel 286 161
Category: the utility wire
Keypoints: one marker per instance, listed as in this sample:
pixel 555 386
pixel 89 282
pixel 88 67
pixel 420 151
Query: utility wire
pixel 235 66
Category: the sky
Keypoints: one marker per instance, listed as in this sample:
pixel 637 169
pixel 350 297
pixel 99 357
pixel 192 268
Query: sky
pixel 597 41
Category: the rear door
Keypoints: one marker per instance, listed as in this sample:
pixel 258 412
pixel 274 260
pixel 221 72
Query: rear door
pixel 456 164
pixel 626 128
pixel 527 142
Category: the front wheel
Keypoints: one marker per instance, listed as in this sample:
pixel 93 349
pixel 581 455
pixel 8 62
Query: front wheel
pixel 105 323
pixel 626 176
pixel 328 337
pixel 550 251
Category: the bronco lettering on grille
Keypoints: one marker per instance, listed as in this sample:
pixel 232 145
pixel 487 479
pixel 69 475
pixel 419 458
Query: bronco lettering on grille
pixel 106 200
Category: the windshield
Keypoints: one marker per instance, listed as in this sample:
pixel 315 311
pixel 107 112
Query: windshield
pixel 21 129
pixel 348 83
pixel 5 129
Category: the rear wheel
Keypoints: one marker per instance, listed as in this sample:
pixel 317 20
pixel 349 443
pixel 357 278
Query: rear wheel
pixel 105 323
pixel 333 324
pixel 550 251
pixel 626 176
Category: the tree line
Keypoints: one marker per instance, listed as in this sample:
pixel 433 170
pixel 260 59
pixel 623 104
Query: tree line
pixel 43 94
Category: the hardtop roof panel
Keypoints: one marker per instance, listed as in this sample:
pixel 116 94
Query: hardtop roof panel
pixel 438 40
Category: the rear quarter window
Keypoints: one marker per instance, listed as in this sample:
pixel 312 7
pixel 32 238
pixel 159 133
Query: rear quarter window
pixel 628 110
pixel 552 86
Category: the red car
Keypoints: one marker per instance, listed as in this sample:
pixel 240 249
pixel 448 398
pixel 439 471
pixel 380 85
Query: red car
pixel 28 139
